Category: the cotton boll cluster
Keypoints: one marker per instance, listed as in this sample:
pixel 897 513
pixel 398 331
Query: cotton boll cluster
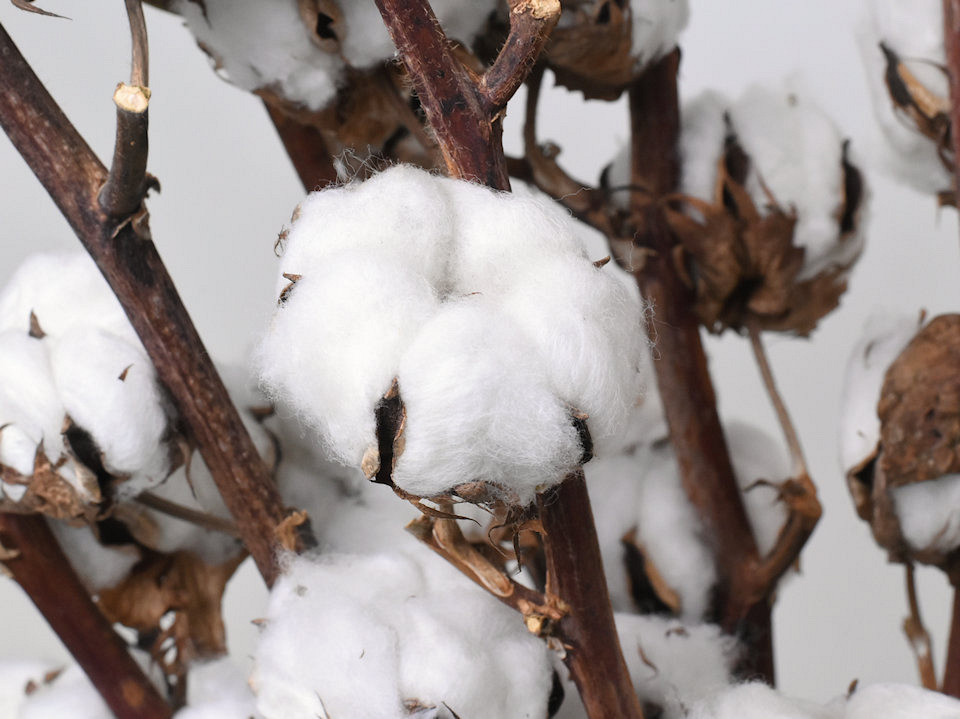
pixel 79 401
pixel 769 216
pixel 599 46
pixel 390 635
pixel 483 306
pixel 904 58
pixel 302 49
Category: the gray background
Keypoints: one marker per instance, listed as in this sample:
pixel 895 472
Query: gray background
pixel 228 189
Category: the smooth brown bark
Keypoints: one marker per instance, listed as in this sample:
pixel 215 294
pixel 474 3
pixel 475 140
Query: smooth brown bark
pixel 128 259
pixel 306 148
pixel 951 42
pixel 951 673
pixel 44 573
pixel 575 575
pixel 682 375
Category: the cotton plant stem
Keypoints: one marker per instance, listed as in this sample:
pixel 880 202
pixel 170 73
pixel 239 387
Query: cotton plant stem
pixel 306 148
pixel 951 42
pixel 128 259
pixel 917 634
pixel 683 379
pixel 123 191
pixel 39 566
pixel 951 672
pixel 575 574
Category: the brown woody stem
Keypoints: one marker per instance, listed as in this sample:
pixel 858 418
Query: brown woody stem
pixel 126 185
pixel 454 106
pixel 951 673
pixel 682 376
pixel 128 259
pixel 187 514
pixel 44 573
pixel 575 575
pixel 306 148
pixel 917 634
pixel 951 42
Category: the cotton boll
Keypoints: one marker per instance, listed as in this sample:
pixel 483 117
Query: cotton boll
pixel 914 31
pixel 109 388
pixel 589 332
pixel 333 347
pixel 400 214
pixel 63 290
pixel 479 408
pixel 264 44
pixel 31 413
pixel 756 455
pixel 929 513
pixel 70 695
pixel 99 566
pixel 758 701
pixel 15 676
pixel 689 661
pixel 900 701
pixel 217 689
pixel 883 339
pixel 656 27
pixel 796 152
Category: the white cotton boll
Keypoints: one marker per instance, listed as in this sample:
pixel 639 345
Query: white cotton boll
pixel 401 214
pixel 929 513
pixel 265 44
pixel 756 455
pixel 64 290
pixel 915 32
pixel 883 339
pixel 217 689
pixel 797 152
pixel 70 695
pixel 501 237
pixel 386 630
pixel 690 661
pixel 656 27
pixel 702 137
pixel 15 676
pixel 479 408
pixel 98 566
pixel 758 701
pixel 109 388
pixel 900 701
pixel 31 413
pixel 589 333
pixel 332 350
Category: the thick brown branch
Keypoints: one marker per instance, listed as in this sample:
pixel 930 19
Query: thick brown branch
pixel 951 42
pixel 951 673
pixel 530 24
pixel 575 576
pixel 682 374
pixel 448 94
pixel 73 175
pixel 306 148
pixel 41 569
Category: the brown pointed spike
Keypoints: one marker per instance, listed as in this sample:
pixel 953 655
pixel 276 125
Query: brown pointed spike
pixel 35 329
pixel 123 375
pixel 601 262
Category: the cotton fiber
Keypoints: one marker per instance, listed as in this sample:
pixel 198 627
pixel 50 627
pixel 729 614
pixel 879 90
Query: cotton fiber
pixel 99 566
pixel 217 689
pixel 656 25
pixel 929 513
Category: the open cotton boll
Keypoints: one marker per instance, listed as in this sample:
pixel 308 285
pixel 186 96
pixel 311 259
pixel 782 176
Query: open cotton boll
pixel 756 455
pixel 16 675
pixel 69 695
pixel 109 388
pixel 479 407
pixel 588 330
pixel 99 566
pixel 900 701
pixel 333 347
pixel 656 25
pixel 797 154
pixel 883 339
pixel 217 689
pixel 929 513
pixel 689 661
pixel 384 633
pixel 264 44
pixel 63 290
pixel 914 31
pixel 400 214
pixel 31 413
pixel 758 701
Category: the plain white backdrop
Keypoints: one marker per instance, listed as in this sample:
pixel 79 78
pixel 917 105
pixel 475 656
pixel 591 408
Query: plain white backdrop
pixel 228 188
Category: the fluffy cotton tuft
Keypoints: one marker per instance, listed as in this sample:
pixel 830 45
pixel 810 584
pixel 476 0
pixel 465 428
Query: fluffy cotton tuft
pixel 656 27
pixel 486 308
pixel 99 566
pixel 929 513
pixel 385 631
pixel 758 701
pixel 217 689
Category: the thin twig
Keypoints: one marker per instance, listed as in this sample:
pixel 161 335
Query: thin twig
pixel 127 183
pixel 72 174
pixel 41 569
pixel 951 42
pixel 917 634
pixel 951 672
pixel 188 514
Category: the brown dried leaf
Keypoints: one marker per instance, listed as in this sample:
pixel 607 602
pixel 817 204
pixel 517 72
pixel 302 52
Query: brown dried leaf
pixel 289 531
pixel 919 406
pixel 28 6
pixel 929 112
pixel 47 492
